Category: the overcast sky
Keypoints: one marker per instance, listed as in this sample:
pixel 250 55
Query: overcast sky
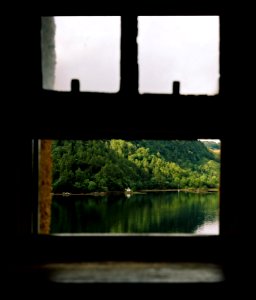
pixel 210 140
pixel 184 49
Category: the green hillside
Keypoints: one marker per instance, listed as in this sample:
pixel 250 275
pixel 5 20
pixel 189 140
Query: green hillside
pixel 187 154
pixel 113 165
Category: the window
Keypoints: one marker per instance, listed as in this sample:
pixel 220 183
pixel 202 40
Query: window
pixel 171 35
pixel 129 115
pixel 179 48
pixel 61 115
pixel 136 186
pixel 169 49
pixel 85 48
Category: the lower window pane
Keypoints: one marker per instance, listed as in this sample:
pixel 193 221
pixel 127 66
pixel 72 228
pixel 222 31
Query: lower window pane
pixel 133 186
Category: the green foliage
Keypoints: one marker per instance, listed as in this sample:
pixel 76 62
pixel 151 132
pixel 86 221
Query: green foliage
pixel 113 165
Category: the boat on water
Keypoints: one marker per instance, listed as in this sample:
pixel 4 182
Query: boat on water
pixel 128 191
pixel 66 194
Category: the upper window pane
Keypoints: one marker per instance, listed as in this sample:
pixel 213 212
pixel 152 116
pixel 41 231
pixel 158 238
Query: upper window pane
pixel 179 48
pixel 88 49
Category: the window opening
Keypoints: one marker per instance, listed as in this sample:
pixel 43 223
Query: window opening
pixel 135 186
pixel 82 48
pixel 181 49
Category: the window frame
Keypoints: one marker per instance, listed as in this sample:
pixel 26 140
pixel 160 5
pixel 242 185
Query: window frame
pixel 124 247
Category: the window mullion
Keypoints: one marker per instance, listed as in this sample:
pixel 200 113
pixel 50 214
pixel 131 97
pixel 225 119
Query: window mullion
pixel 129 55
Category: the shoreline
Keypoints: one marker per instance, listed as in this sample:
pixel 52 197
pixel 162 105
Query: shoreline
pixel 192 190
pixel 144 191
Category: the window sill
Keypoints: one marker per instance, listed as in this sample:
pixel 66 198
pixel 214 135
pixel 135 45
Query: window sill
pixel 125 272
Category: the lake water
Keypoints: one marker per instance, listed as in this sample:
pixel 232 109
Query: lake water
pixel 152 212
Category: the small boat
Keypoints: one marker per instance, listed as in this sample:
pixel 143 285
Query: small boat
pixel 128 191
pixel 66 194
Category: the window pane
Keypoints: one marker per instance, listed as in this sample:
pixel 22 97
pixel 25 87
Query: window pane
pixel 131 186
pixel 179 48
pixel 88 49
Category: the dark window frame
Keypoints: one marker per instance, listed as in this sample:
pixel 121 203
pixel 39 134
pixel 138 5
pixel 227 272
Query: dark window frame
pixel 113 124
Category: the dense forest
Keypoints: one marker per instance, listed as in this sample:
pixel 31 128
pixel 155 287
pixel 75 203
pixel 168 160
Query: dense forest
pixel 113 165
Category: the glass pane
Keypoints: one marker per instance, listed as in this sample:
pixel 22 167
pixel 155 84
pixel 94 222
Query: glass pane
pixel 88 49
pixel 131 186
pixel 179 48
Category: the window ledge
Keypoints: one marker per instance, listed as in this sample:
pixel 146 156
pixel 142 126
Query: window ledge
pixel 128 272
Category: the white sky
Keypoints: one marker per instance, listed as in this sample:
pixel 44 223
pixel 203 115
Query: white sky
pixel 210 140
pixel 88 49
pixel 183 48
pixel 179 48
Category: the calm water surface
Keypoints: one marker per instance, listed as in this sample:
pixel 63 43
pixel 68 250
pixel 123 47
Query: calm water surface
pixel 153 212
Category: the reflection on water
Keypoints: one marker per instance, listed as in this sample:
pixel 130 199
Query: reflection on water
pixel 208 228
pixel 153 212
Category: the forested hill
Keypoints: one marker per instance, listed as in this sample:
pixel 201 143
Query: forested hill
pixel 113 165
pixel 187 154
